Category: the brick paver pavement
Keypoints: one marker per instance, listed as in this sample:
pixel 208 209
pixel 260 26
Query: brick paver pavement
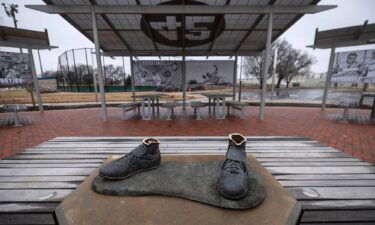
pixel 357 138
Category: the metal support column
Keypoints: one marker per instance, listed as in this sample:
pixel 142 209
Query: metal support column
pixel 240 88
pixel 132 76
pixel 35 79
pixel 183 83
pixel 123 71
pixel 266 65
pixel 94 77
pixel 99 64
pixel 274 72
pixel 40 63
pixel 328 77
pixel 235 78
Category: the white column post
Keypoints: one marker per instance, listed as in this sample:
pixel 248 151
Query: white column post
pixel 240 88
pixel 94 77
pixel 274 72
pixel 266 65
pixel 328 77
pixel 35 79
pixel 183 83
pixel 40 64
pixel 99 65
pixel 132 77
pixel 235 78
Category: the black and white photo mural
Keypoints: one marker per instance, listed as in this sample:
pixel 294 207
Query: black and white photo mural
pixel 354 67
pixel 210 72
pixel 162 75
pixel 14 68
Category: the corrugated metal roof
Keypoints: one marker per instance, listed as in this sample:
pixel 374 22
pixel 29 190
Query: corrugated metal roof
pixel 141 34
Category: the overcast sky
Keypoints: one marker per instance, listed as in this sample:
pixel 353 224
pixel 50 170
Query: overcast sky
pixel 62 34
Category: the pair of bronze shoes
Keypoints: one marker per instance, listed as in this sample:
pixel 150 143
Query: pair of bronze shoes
pixel 233 181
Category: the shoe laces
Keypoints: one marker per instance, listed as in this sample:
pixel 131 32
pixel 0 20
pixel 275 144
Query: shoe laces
pixel 233 167
pixel 129 158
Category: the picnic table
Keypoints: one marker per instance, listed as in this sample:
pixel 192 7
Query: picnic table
pixel 332 187
pixel 15 108
pixel 217 97
pixel 150 98
pixel 369 95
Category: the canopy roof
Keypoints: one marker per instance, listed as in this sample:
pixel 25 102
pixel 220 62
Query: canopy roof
pixel 345 37
pixel 22 38
pixel 181 27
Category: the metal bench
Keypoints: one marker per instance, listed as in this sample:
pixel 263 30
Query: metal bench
pixel 347 105
pixel 130 106
pixel 15 108
pixel 368 95
pixel 331 186
pixel 237 105
pixel 170 108
pixel 197 105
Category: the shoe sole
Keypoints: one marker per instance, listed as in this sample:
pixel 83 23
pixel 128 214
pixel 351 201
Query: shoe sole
pixel 121 178
pixel 231 197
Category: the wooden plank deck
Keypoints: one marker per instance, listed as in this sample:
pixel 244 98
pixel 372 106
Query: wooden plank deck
pixel 332 187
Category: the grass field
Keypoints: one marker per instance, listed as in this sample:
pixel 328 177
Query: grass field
pixel 21 96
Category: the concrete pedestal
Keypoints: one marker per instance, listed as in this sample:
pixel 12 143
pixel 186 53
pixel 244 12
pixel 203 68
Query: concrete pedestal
pixel 84 206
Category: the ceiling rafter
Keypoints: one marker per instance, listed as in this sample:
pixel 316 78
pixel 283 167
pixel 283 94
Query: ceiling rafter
pixel 218 25
pixel 113 28
pixel 147 25
pixel 134 30
pixel 252 28
pixel 291 23
pixel 75 25
pixel 183 25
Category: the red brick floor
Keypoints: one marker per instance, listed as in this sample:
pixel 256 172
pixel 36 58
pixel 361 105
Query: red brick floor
pixel 356 138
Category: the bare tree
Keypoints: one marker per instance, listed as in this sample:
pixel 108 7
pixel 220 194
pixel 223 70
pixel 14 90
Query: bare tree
pixel 291 62
pixel 253 66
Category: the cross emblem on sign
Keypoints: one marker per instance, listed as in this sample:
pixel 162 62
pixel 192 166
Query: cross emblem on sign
pixel 168 29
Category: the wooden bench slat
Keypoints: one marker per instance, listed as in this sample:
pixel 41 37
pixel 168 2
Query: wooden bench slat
pixel 27 219
pixel 43 179
pixel 311 193
pixel 326 176
pixel 38 185
pixel 339 216
pixel 45 172
pixel 34 195
pixel 27 207
pixel 338 204
pixel 46 165
pixel 327 183
pixel 322 170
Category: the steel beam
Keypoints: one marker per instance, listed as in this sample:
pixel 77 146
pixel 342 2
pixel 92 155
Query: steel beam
pixel 99 65
pixel 221 21
pixel 24 45
pixel 274 72
pixel 132 77
pixel 181 9
pixel 235 77
pixel 183 83
pixel 35 79
pixel 328 77
pixel 266 66
pixel 249 52
pixel 109 23
pixel 253 26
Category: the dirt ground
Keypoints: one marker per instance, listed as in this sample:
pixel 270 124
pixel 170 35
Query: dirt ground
pixel 21 96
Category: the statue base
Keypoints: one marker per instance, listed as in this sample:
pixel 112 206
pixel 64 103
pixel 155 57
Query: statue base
pixel 84 206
